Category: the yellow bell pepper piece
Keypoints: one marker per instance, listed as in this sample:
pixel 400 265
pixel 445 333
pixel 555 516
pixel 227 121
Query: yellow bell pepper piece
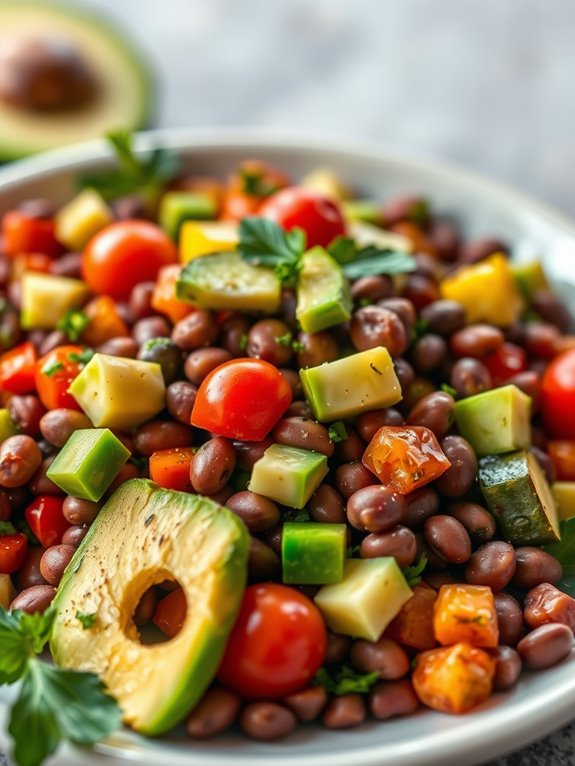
pixel 81 218
pixel 199 238
pixel 486 290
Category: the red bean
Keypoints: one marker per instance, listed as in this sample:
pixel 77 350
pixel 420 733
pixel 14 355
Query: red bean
pixel 428 353
pixel 196 330
pixel 368 423
pixel 20 458
pixel 316 348
pixel 307 704
pixel 445 239
pixel 351 448
pixel 373 326
pixel 35 599
pixel 546 646
pixel 509 618
pixel 140 302
pixel 476 519
pixel 375 508
pixel 161 434
pixel 29 573
pixel 535 566
pixel 40 484
pixel 507 668
pixel 212 466
pixel 478 249
pixel 338 647
pixel 344 712
pixel 303 433
pixel 267 720
pixel 392 698
pixel 448 539
pixel 434 411
pixel 26 412
pixel 399 543
pixel 477 341
pixel 74 535
pixel 421 290
pixel 270 340
pixel 469 377
pixel 54 562
pixel 58 425
pixel 350 477
pixel 386 657
pixel 263 562
pixel 443 317
pixel 493 564
pixel 120 346
pixel 258 513
pixel 78 511
pixel 180 398
pixel 372 289
pixel 404 309
pixel 326 505
pixel 215 713
pixel 459 478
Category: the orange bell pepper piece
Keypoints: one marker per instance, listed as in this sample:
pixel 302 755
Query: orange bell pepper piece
pixel 170 468
pixel 164 298
pixel 413 626
pixel 105 321
pixel 466 613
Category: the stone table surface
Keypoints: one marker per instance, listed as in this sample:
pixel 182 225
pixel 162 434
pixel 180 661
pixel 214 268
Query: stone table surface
pixel 485 83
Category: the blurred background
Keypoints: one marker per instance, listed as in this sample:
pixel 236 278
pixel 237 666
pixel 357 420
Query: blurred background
pixel 485 83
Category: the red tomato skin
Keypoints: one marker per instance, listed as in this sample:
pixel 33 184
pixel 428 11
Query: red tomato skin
pixel 171 613
pixel 507 361
pixel 13 550
pixel 24 234
pixel 241 399
pixel 318 215
pixel 124 254
pixel 557 398
pixel 277 644
pixel 53 389
pixel 46 520
pixel 17 369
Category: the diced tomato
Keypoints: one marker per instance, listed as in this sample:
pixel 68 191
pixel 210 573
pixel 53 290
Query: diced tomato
pixel 562 453
pixel 164 299
pixel 413 626
pixel 466 613
pixel 248 187
pixel 170 468
pixel 297 207
pixel 104 321
pixel 18 369
pixel 171 613
pixel 46 519
pixel 506 362
pixel 23 234
pixel 557 398
pixel 31 262
pixel 55 371
pixel 13 549
pixel 545 603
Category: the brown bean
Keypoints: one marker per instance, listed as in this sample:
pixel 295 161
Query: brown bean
pixel 258 513
pixel 150 328
pixel 298 410
pixel 78 511
pixel 29 573
pixel 443 317
pixel 338 647
pixel 447 538
pixel 350 477
pixel 270 340
pixel 67 265
pixel 303 433
pixel 26 412
pixel 476 341
pixel 435 411
pixel 233 334
pixel 535 566
pixel 421 504
pixel 545 603
pixel 421 290
pixel 351 448
pixel 546 646
pixel 248 453
pixel 478 249
pixel 399 543
pixel 20 458
pixel 404 309
pixel 308 703
pixel 196 330
pixel 35 599
pixel 273 538
pixel 161 434
pixel 406 207
pixel 327 505
pixel 476 519
pixel 428 353
pixel 54 562
pixel 120 346
pixel 549 307
pixel 202 361
pixel 373 326
pixel 436 579
pixel 263 562
pixel 392 698
pixel 212 465
pixel 51 341
pixel 127 471
pixel 140 302
pixel 445 239
pixel 40 484
pixel 541 339
pixel 509 618
pixel 344 712
pixel 493 564
pixel 459 478
pixel 405 373
pixel 507 668
pixel 180 398
pixel 372 289
pixel 146 608
pixel 469 377
pixel 58 425
pixel 294 382
pixel 375 508
pixel 267 720
pixel 315 348
pixel 215 713
pixel 419 388
pixel 369 423
pixel 386 657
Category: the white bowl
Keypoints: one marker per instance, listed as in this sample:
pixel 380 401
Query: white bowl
pixel 542 701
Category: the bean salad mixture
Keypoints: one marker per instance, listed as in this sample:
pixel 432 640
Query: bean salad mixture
pixel 310 452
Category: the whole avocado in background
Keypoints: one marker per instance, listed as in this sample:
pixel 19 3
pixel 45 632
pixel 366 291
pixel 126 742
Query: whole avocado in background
pixel 65 76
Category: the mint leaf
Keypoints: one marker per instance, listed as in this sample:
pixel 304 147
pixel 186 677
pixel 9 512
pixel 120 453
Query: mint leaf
pixel 86 619
pixel 73 323
pixel 345 681
pixel 337 432
pixel 413 573
pixel 264 243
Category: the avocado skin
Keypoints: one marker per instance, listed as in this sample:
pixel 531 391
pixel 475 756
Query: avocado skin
pixel 205 650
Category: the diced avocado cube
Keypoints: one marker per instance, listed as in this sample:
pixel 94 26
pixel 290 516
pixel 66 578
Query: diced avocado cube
pixel 119 393
pixel 177 207
pixel 564 496
pixel 46 298
pixel 325 181
pixel 495 421
pixel 7 425
pixel 81 218
pixel 226 281
pixel 366 234
pixel 313 554
pixel 354 384
pixel 529 278
pixel 199 238
pixel 289 475
pixel 323 293
pixel 88 463
pixel 365 210
pixel 370 595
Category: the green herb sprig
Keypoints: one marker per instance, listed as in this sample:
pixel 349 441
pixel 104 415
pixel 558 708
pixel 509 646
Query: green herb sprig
pixel 345 681
pixel 264 243
pixel 413 573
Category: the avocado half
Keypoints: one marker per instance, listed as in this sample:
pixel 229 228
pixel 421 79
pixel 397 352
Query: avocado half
pixel 143 536
pixel 123 84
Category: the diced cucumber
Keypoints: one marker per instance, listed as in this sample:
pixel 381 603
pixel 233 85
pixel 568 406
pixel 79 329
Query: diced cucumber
pixel 564 496
pixel 7 425
pixel 178 206
pixel 81 218
pixel 323 293
pixel 529 278
pixel 495 421
pixel 198 238
pixel 226 281
pixel 520 498
pixel 289 475
pixel 366 234
pixel 46 298
pixel 313 554
pixel 370 595
pixel 354 384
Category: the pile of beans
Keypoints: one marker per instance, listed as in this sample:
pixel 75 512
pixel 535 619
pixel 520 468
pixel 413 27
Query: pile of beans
pixel 445 520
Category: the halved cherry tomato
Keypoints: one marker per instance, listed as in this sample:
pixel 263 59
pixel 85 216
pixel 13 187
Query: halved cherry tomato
pixel 562 453
pixel 54 373
pixel 319 216
pixel 277 645
pixel 241 399
pixel 557 398
pixel 23 234
pixel 46 519
pixel 506 362
pixel 171 613
pixel 170 468
pixel 125 253
pixel 18 368
pixel 13 549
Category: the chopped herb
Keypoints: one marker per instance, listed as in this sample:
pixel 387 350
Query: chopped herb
pixel 255 183
pixel 285 339
pixel 139 461
pixel 345 681
pixel 298 346
pixel 82 357
pixel 87 619
pixel 449 389
pixel 159 342
pixel 301 516
pixel 6 528
pixel 243 341
pixel 353 552
pixel 51 369
pixel 420 327
pixel 365 302
pixel 337 432
pixel 73 323
pixel 413 573
pixel 264 243
pixel 23 527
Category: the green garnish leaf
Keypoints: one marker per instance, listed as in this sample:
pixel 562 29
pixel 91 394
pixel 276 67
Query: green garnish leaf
pixel 449 389
pixel 6 528
pixel 22 636
pixel 243 344
pixel 52 368
pixel 564 552
pixel 337 432
pixel 254 182
pixel 86 619
pixel 285 339
pixel 343 250
pixel 298 346
pixel 73 323
pixel 353 552
pixel 345 681
pixel 413 573
pixel 373 262
pixel 82 357
pixel 420 327
pixel 264 243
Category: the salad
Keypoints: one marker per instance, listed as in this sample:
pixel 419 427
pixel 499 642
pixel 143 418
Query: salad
pixel 272 453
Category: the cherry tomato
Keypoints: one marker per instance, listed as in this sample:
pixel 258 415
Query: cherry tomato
pixel 23 234
pixel 557 400
pixel 13 549
pixel 506 362
pixel 319 216
pixel 171 613
pixel 46 519
pixel 125 253
pixel 277 645
pixel 248 187
pixel 17 369
pixel 562 453
pixel 54 373
pixel 241 399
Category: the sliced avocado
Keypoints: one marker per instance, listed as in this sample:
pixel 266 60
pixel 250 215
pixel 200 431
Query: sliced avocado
pixel 313 553
pixel 564 496
pixel 529 278
pixel 349 386
pixel 495 421
pixel 226 281
pixel 46 298
pixel 289 475
pixel 323 293
pixel 370 595
pixel 101 84
pixel 518 495
pixel 177 207
pixel 143 536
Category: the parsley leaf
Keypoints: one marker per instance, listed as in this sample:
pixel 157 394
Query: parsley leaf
pixel 83 357
pixel 86 619
pixel 6 528
pixel 345 681
pixel 284 340
pixel 264 243
pixel 564 552
pixel 337 432
pixel 51 369
pixel 449 389
pixel 343 250
pixel 373 262
pixel 243 344
pixel 73 323
pixel 413 573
